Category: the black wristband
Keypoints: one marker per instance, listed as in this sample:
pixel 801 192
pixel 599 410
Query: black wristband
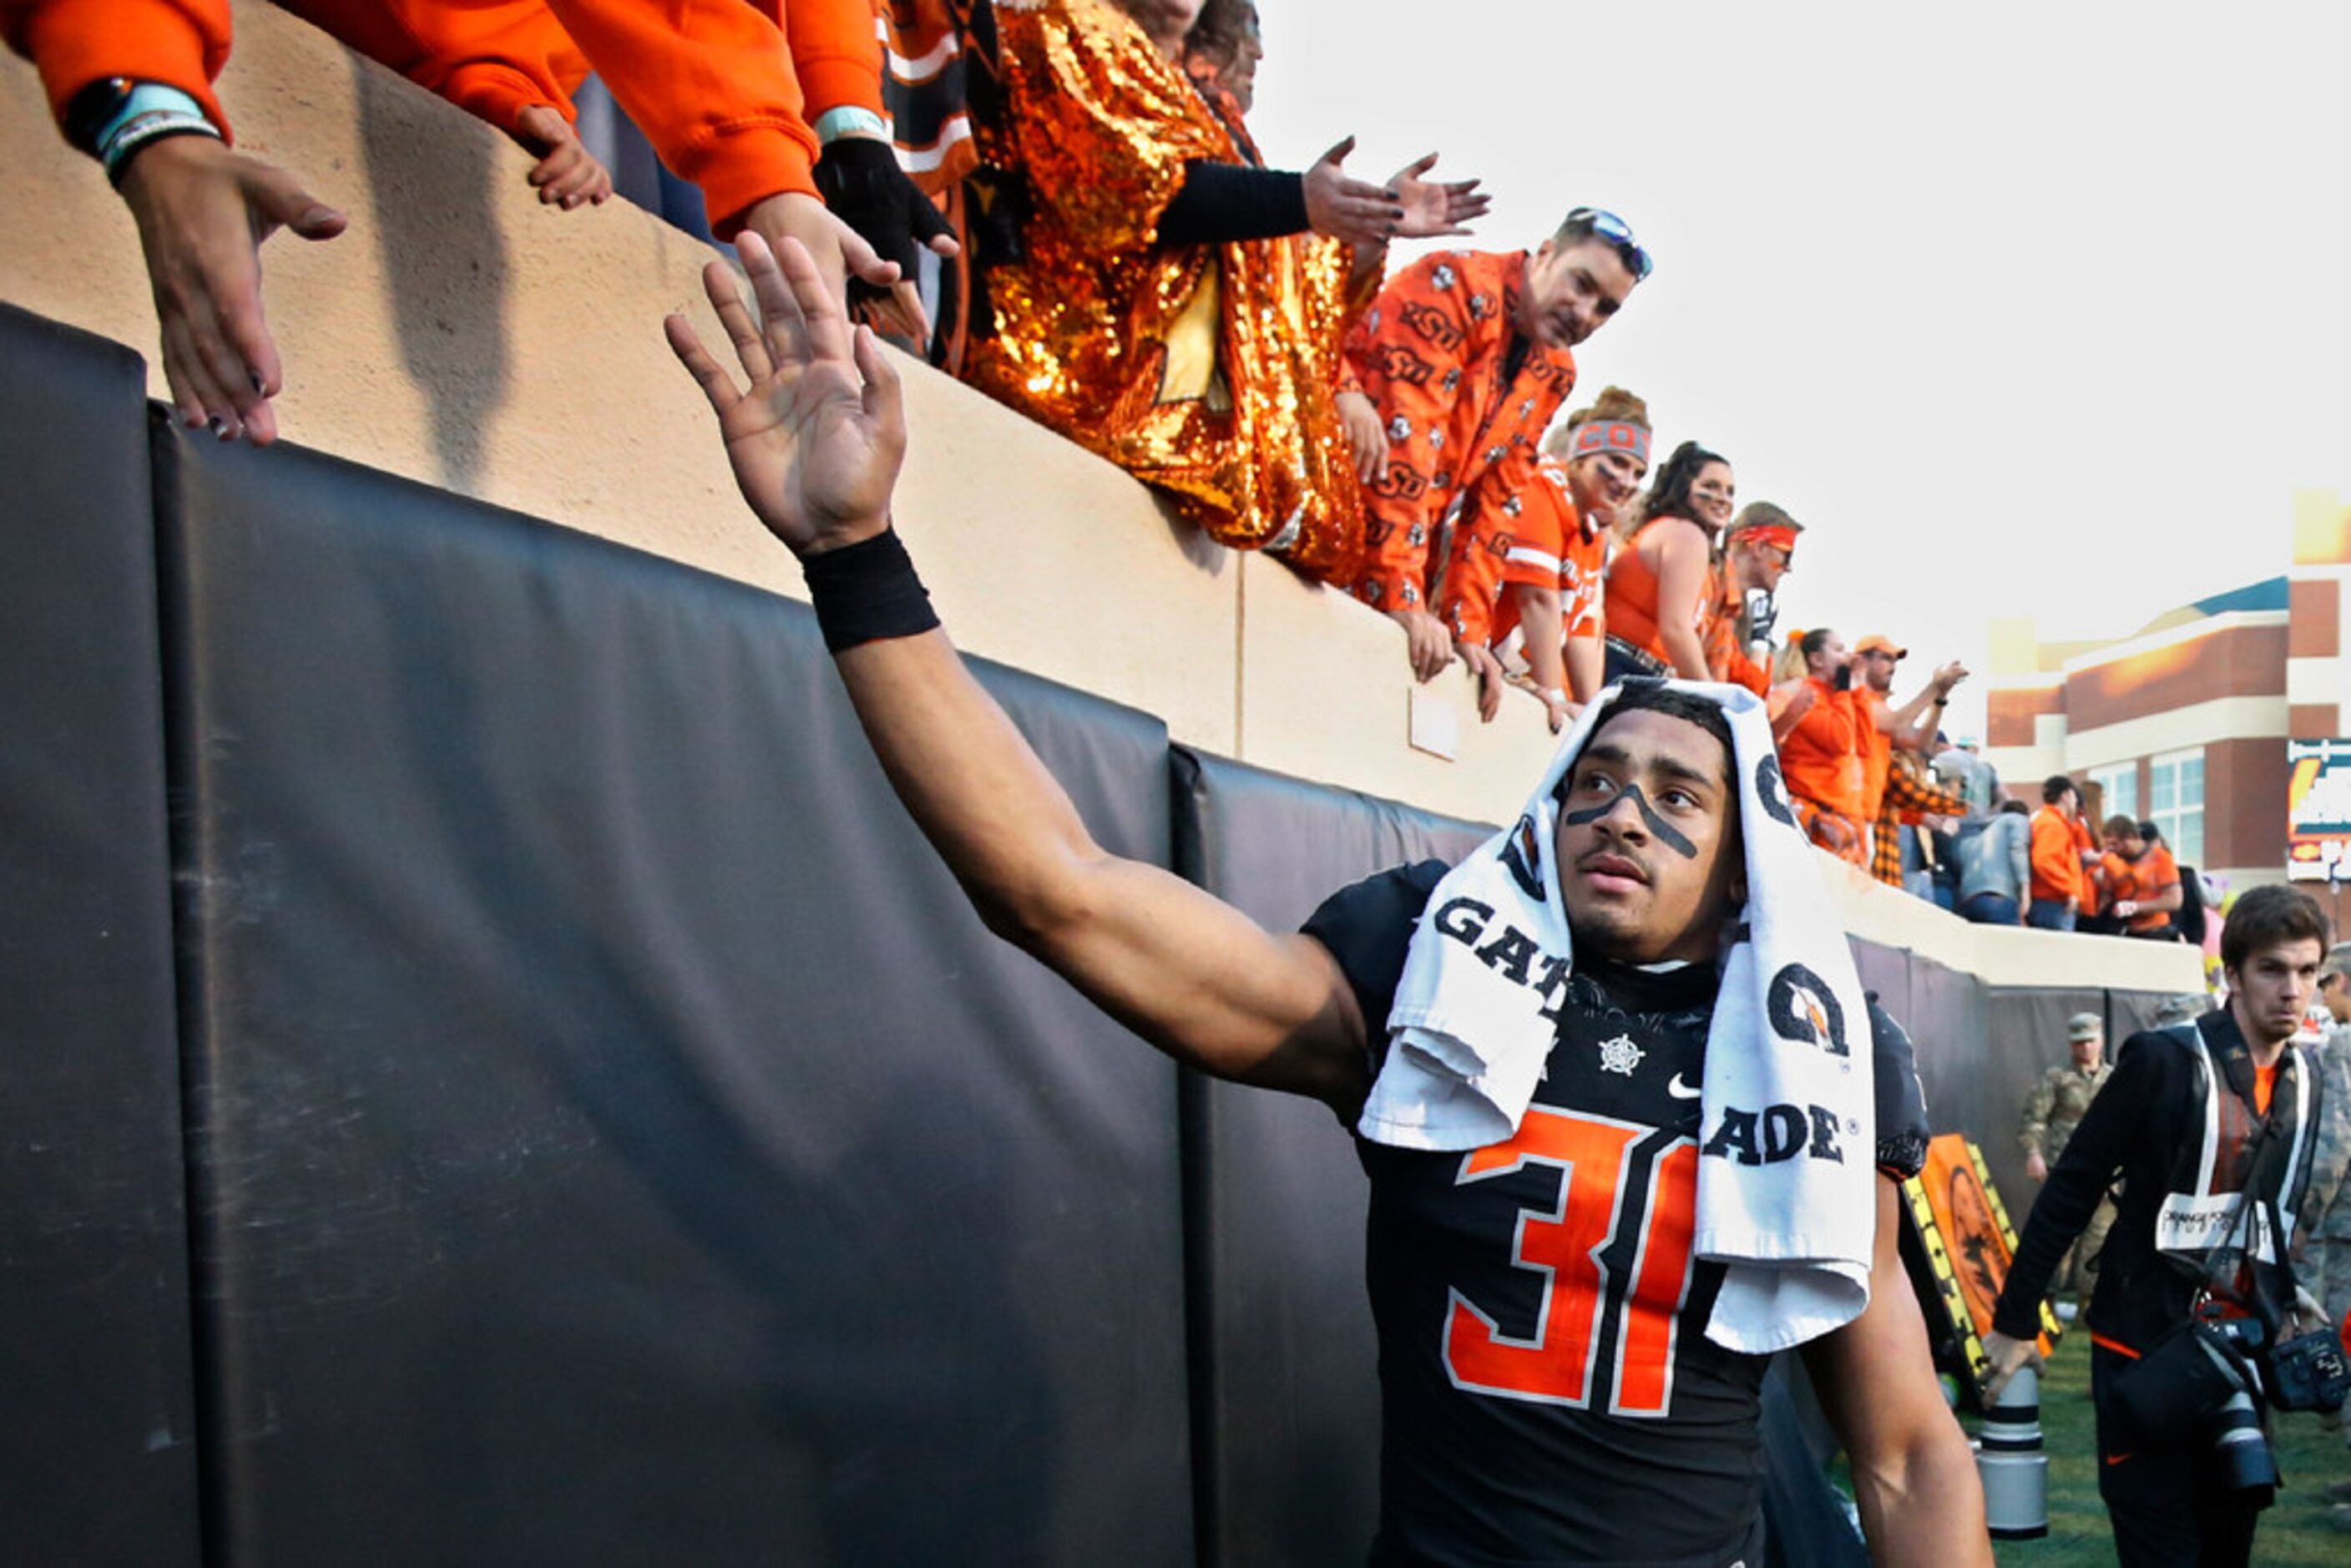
pixel 867 592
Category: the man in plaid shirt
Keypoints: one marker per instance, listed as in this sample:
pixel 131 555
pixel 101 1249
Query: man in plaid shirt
pixel 1908 797
pixel 1886 794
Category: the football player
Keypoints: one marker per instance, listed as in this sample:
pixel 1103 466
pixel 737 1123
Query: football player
pixel 1613 1429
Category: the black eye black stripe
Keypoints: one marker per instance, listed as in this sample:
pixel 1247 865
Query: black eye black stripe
pixel 1667 834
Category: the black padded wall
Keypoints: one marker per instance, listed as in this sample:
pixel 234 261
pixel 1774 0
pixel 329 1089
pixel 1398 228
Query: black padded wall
pixel 97 1415
pixel 2129 1012
pixel 2026 1038
pixel 620 1143
pixel 1885 972
pixel 1949 1021
pixel 1286 1390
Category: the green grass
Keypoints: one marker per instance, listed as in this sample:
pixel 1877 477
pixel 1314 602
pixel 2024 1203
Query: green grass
pixel 2294 1532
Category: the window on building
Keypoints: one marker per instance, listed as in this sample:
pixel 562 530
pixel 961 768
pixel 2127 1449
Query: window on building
pixel 2118 788
pixel 2176 802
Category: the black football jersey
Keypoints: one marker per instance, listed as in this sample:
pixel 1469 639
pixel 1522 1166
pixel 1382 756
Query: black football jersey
pixel 1548 1391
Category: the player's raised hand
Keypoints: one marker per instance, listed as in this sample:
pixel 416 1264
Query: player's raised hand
pixel 816 436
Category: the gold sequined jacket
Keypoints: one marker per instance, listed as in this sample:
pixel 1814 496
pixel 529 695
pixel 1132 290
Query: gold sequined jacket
pixel 1209 371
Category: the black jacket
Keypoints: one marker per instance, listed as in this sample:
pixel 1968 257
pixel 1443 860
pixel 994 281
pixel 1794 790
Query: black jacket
pixel 2147 1115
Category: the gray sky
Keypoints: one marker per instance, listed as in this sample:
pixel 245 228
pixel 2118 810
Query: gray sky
pixel 2023 309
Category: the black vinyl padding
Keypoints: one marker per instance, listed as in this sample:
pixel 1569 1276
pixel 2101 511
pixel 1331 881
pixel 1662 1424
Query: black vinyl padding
pixel 488 1073
pixel 1285 1378
pixel 98 1407
pixel 2024 1036
pixel 621 1142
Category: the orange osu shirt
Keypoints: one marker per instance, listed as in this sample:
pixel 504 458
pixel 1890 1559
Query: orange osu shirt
pixel 1554 546
pixel 1430 353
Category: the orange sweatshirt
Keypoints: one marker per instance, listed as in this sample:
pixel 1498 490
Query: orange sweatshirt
pixel 2056 866
pixel 717 86
pixel 1819 759
pixel 73 43
pixel 723 98
pixel 493 59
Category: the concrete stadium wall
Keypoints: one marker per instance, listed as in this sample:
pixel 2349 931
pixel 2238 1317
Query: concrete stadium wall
pixel 462 335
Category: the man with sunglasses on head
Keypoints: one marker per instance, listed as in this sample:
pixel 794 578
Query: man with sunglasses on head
pixel 1465 360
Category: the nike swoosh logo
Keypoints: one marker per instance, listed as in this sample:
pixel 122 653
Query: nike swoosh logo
pixel 1679 1090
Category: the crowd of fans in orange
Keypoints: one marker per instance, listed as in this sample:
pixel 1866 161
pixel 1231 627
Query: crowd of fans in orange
pixel 1059 201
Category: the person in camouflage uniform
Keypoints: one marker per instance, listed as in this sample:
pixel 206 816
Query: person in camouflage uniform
pixel 2050 1113
pixel 2325 1268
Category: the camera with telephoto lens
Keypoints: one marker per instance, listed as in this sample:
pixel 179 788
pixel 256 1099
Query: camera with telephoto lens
pixel 2234 1430
pixel 2199 1379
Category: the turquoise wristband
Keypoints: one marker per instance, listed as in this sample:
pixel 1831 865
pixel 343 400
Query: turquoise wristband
pixel 146 97
pixel 149 112
pixel 848 121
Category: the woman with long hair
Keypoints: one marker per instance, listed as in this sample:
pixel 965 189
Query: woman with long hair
pixel 1661 587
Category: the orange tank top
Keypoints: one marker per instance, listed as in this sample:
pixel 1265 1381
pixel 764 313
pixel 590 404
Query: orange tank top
pixel 1632 603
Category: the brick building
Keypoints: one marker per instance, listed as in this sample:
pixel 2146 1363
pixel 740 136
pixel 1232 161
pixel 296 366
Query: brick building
pixel 2185 722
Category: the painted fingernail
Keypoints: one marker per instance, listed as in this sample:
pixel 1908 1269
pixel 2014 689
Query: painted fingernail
pixel 254 377
pixel 218 426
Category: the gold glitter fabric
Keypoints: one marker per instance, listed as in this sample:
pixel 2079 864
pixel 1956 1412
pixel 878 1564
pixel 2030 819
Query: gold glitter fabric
pixel 1209 371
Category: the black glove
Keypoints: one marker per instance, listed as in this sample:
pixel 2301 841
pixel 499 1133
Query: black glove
pixel 862 183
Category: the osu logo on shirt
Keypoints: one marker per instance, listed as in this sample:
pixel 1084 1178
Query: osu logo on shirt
pixel 1403 483
pixel 1399 364
pixel 1434 325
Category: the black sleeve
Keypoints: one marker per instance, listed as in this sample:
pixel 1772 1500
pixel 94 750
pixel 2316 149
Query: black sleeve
pixel 1902 1130
pixel 1224 202
pixel 2069 1197
pixel 1368 929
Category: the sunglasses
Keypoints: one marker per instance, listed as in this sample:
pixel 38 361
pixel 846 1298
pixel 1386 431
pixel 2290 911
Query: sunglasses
pixel 1618 234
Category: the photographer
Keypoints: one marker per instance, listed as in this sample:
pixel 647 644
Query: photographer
pixel 2211 1128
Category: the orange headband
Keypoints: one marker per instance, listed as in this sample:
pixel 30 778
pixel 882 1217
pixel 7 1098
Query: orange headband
pixel 1778 534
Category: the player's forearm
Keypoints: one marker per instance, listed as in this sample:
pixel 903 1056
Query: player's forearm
pixel 1923 1503
pixel 997 816
pixel 1193 976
